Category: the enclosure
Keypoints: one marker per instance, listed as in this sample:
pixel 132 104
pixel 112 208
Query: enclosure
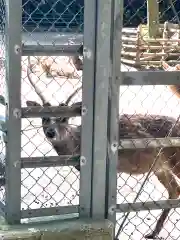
pixel 90 96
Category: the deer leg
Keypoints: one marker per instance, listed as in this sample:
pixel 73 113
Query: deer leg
pixel 169 182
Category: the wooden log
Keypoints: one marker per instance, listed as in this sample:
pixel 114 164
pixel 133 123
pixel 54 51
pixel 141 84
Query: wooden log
pixel 160 40
pixel 130 62
pixel 171 30
pixel 165 36
pixel 150 47
pixel 128 54
pixel 124 60
pixel 146 54
pixel 124 45
pixel 129 39
pixel 157 62
pixel 171 26
pixel 129 30
pixel 151 40
pixel 138 51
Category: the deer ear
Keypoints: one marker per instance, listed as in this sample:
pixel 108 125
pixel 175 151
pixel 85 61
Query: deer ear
pixel 32 104
pixel 165 66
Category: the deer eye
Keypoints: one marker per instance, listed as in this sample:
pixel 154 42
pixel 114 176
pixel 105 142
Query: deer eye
pixel 63 120
pixel 45 121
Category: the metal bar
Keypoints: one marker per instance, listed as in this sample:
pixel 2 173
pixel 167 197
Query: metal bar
pixel 51 38
pixel 151 78
pixel 51 50
pixel 2 209
pixel 13 81
pixel 59 111
pixel 113 127
pixel 103 73
pixel 144 206
pixel 31 213
pixel 66 160
pixel 88 106
pixel 153 18
pixel 53 161
pixel 54 44
pixel 149 143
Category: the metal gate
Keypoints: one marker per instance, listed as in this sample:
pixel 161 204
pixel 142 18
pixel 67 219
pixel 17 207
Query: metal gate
pixel 41 171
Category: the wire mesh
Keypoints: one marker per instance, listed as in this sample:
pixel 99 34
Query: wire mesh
pixel 135 12
pixel 61 15
pixel 150 40
pixel 57 77
pixel 55 186
pixel 154 33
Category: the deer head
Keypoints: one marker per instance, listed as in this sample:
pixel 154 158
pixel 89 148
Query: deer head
pixel 64 138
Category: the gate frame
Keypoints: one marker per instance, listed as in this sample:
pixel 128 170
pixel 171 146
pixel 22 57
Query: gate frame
pixel 94 156
pixel 102 76
pixel 13 110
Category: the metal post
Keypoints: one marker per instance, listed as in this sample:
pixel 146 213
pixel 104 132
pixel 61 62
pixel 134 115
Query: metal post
pixel 13 100
pixel 104 20
pixel 153 18
pixel 113 135
pixel 87 107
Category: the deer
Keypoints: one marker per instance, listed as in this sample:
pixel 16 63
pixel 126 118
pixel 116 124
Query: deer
pixel 69 70
pixel 66 139
pixel 174 88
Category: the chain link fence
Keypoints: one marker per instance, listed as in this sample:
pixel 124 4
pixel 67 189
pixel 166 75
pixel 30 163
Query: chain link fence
pixel 149 41
pixel 50 80
pixel 49 187
pixel 153 35
pixel 53 79
pixel 53 15
pixel 46 80
pixel 135 12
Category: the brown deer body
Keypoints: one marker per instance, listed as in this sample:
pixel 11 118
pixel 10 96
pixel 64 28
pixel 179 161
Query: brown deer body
pixel 65 139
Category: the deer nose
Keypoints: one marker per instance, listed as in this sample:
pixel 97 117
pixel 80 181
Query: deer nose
pixel 50 133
